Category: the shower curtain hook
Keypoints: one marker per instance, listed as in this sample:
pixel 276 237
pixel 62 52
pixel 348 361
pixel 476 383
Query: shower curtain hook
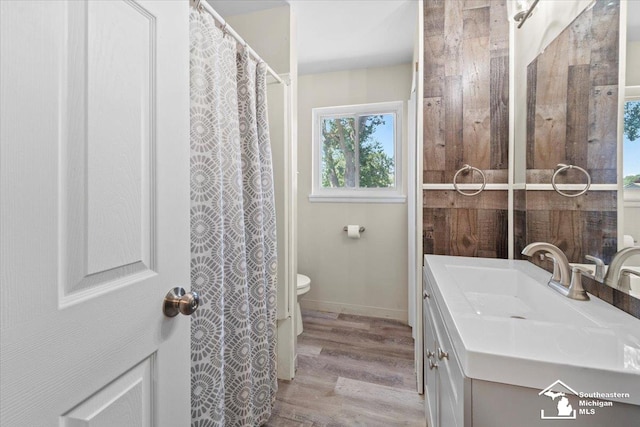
pixel 224 30
pixel 198 5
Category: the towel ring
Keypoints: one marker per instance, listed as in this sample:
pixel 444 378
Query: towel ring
pixel 561 168
pixel 466 169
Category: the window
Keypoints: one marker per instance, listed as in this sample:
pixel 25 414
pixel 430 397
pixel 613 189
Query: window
pixel 631 144
pixel 631 159
pixel 357 153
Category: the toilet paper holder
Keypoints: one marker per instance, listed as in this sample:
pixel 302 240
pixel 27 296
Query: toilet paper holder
pixel 345 228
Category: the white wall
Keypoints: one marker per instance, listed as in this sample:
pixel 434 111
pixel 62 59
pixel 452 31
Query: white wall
pixel 366 276
pixel 267 32
pixel 632 223
pixel 632 77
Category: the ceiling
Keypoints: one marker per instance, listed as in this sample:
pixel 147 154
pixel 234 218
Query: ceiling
pixel 348 34
pixel 239 7
pixel 343 34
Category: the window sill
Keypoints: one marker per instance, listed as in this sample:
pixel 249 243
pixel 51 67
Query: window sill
pixel 351 198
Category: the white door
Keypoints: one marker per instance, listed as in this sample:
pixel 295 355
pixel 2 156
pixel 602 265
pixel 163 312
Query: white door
pixel 94 220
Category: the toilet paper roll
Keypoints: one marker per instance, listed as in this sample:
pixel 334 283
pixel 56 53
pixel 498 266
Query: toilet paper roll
pixel 627 241
pixel 353 231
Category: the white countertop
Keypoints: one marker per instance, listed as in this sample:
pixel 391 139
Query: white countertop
pixel 589 345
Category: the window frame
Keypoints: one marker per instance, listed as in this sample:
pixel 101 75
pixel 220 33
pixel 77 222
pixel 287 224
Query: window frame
pixel 358 194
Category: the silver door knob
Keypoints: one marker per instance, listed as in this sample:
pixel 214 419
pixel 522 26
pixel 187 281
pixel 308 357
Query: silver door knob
pixel 178 301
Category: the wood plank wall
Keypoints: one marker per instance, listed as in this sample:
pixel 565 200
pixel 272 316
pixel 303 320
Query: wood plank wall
pixel 572 102
pixel 466 121
pixel 466 226
pixel 585 225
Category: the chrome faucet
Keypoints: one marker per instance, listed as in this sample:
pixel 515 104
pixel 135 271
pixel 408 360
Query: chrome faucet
pixel 569 282
pixel 624 283
pixel 598 275
pixel 613 276
pixel 560 259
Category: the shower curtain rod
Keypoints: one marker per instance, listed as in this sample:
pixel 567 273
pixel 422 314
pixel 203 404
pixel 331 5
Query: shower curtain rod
pixel 227 29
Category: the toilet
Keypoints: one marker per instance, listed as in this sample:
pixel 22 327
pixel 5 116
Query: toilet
pixel 303 286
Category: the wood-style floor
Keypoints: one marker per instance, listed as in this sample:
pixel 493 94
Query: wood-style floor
pixel 352 371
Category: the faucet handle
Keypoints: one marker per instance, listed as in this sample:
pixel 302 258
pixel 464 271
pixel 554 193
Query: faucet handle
pixel 624 281
pixel 556 270
pixel 599 275
pixel 576 291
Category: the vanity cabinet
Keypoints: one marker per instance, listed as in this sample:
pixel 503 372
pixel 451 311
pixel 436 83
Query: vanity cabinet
pixel 484 367
pixel 445 384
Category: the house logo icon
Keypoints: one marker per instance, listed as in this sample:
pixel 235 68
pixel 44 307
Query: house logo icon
pixel 557 392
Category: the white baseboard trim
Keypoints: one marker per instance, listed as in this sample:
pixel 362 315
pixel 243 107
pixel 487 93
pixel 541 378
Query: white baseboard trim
pixel 360 310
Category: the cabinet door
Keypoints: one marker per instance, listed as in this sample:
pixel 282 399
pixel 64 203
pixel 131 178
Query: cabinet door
pixel 450 380
pixel 448 412
pixel 430 372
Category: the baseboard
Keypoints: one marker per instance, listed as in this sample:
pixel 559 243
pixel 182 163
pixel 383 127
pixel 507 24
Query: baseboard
pixel 360 310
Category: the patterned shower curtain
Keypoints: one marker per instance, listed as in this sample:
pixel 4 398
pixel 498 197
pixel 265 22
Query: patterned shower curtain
pixel 233 234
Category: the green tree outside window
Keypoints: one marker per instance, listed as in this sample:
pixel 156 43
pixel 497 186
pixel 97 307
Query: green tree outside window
pixel 631 132
pixel 354 156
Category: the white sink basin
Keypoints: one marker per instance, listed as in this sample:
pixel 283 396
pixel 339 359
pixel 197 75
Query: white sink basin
pixel 508 326
pixel 509 293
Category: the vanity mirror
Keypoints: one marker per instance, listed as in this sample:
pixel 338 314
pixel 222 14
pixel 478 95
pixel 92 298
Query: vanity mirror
pixel 630 143
pixel 566 141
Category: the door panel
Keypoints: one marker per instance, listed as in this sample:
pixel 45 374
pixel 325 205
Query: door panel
pixel 94 212
pixel 119 131
pixel 108 121
pixel 127 399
